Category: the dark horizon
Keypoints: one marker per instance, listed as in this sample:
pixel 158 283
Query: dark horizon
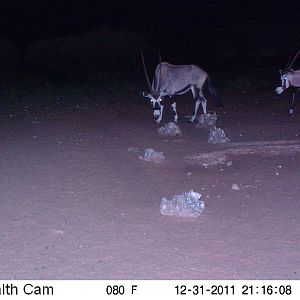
pixel 214 34
pixel 246 23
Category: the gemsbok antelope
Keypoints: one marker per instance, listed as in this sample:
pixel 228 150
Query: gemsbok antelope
pixel 172 80
pixel 290 78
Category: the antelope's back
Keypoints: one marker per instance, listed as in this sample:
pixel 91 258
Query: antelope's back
pixel 180 75
pixel 295 78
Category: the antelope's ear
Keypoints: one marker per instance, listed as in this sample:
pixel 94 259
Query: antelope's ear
pixel 146 95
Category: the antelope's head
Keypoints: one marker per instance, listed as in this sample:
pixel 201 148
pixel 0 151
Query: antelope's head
pixel 154 96
pixel 156 103
pixel 285 82
pixel 286 74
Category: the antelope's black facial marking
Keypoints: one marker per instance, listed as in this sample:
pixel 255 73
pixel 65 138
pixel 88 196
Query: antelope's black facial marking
pixel 156 106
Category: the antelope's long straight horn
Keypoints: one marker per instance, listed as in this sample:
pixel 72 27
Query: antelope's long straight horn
pixel 146 74
pixel 293 60
pixel 159 75
pixel 285 69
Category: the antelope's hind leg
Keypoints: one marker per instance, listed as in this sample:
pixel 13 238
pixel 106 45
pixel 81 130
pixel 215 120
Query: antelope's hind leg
pixel 293 101
pixel 203 102
pixel 195 92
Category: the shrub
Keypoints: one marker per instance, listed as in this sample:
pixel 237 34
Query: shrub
pixel 90 53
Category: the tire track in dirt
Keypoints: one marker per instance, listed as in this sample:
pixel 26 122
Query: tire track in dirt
pixel 263 148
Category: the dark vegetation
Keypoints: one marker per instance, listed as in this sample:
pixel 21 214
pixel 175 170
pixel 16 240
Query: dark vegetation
pixel 86 65
pixel 51 47
pixel 64 49
pixel 79 66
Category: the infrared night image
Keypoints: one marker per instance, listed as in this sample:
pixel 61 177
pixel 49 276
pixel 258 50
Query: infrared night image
pixel 149 140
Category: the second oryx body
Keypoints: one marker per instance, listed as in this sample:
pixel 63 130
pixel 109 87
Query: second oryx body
pixel 290 78
pixel 171 80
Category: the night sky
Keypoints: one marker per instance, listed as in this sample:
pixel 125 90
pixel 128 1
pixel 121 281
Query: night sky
pixel 184 31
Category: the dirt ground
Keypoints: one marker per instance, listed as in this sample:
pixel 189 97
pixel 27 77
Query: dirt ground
pixel 76 204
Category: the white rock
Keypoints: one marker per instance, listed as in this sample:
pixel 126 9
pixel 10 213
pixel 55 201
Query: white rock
pixel 152 155
pixel 170 129
pixel 235 187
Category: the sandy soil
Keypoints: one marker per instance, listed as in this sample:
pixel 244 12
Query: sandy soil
pixel 76 204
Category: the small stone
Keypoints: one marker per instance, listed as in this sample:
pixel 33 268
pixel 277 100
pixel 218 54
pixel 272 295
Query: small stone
pixel 235 187
pixel 229 163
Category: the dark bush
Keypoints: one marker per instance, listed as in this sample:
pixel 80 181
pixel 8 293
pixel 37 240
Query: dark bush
pixel 88 54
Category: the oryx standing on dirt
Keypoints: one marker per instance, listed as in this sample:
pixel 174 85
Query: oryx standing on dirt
pixel 290 78
pixel 171 80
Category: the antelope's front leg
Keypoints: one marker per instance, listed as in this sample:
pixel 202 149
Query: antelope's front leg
pixel 174 111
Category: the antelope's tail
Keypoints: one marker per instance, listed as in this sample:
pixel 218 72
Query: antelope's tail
pixel 212 90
